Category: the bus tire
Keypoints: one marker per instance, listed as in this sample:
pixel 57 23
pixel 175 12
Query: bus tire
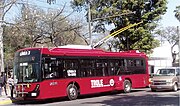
pixel 127 86
pixel 72 92
pixel 175 87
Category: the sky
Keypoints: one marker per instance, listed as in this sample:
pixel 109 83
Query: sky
pixel 169 19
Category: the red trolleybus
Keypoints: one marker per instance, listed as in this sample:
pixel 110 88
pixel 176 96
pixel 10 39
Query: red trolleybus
pixel 42 73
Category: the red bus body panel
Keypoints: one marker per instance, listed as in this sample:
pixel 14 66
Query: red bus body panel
pixel 53 88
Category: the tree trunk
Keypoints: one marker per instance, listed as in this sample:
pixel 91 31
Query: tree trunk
pixel 1 36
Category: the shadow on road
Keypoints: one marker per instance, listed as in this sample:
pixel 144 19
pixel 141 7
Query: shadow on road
pixel 144 100
pixel 65 99
pixel 121 99
pixel 36 102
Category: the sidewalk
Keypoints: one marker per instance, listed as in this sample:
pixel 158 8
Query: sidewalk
pixel 5 99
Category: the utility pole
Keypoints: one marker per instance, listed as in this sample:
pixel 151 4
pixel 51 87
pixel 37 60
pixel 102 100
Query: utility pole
pixel 89 22
pixel 179 43
pixel 1 36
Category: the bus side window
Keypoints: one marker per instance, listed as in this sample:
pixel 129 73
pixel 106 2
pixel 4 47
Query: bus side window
pixel 105 69
pixel 50 68
pixel 60 67
pixel 45 67
pixel 64 69
pixel 142 66
pixel 111 67
pixel 84 68
pixel 71 68
pixel 87 67
pixel 102 68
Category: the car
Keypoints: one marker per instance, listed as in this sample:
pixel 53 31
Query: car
pixel 166 79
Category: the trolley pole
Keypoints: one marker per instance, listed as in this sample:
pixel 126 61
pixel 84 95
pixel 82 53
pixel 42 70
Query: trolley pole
pixel 1 36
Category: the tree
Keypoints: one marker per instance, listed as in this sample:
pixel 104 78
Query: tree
pixel 139 37
pixel 35 27
pixel 169 34
pixel 5 6
pixel 177 13
pixel 51 1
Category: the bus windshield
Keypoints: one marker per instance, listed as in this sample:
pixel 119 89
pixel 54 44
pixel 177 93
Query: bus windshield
pixel 27 66
pixel 165 72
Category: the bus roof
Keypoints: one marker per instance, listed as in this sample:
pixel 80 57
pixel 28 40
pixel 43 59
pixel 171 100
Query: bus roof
pixel 66 51
pixel 76 46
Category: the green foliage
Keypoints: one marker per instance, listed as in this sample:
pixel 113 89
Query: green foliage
pixel 138 37
pixel 177 13
pixel 9 44
pixel 78 3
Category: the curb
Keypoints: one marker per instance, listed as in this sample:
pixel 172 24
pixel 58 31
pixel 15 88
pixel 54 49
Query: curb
pixel 5 102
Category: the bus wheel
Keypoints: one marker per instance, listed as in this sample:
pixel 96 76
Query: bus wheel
pixel 127 86
pixel 72 92
pixel 175 87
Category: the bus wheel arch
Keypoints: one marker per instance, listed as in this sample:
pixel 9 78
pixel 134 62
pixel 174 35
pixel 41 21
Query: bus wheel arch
pixel 73 90
pixel 127 85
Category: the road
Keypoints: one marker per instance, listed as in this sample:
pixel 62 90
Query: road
pixel 138 97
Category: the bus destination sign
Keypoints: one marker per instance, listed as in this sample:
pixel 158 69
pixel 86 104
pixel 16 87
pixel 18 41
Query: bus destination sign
pixel 24 53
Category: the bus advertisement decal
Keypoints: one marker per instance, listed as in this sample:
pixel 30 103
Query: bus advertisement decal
pixel 99 83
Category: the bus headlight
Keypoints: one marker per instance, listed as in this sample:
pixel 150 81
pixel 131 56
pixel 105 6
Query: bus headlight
pixel 34 94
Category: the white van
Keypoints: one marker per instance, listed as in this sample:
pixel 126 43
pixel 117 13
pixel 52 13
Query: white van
pixel 166 79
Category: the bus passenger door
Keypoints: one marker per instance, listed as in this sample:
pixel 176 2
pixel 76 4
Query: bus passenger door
pixel 51 74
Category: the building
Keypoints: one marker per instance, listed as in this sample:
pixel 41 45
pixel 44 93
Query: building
pixel 161 57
